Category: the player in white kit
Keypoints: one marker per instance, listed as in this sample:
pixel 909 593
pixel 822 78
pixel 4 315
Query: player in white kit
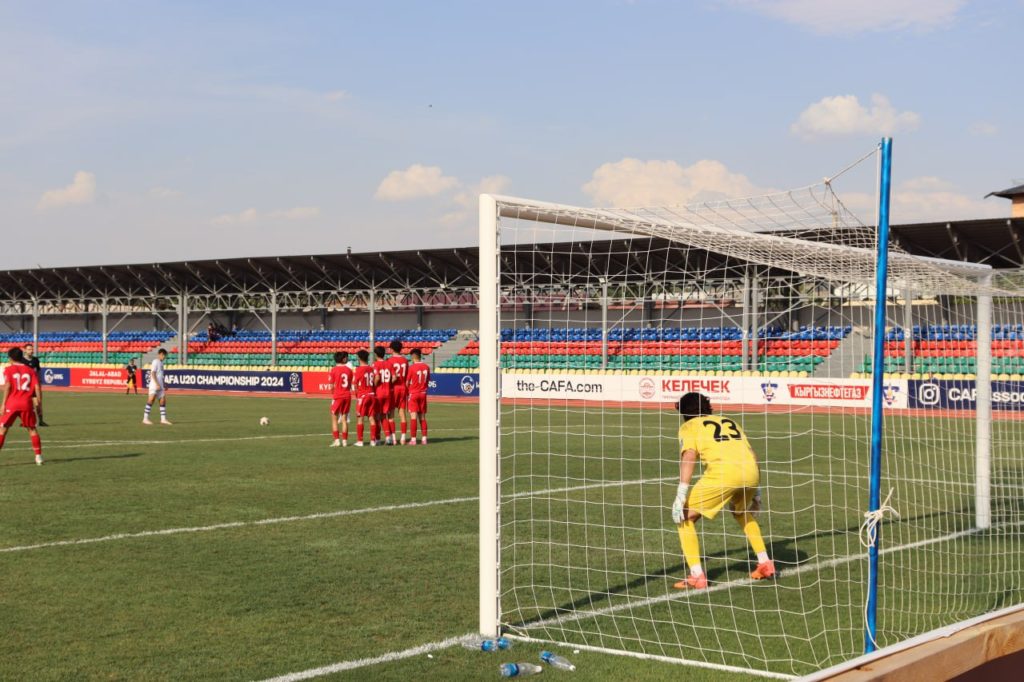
pixel 157 390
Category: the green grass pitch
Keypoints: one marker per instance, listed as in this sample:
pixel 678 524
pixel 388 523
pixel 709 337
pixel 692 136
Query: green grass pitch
pixel 249 600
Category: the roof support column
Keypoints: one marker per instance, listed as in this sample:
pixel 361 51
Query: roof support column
pixel 35 324
pixel 183 329
pixel 604 323
pixel 755 351
pixel 745 333
pixel 104 311
pixel 908 330
pixel 273 328
pixel 373 319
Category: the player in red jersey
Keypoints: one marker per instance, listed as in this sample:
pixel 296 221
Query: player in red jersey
pixel 419 380
pixel 383 369
pixel 365 380
pixel 399 394
pixel 341 379
pixel 21 388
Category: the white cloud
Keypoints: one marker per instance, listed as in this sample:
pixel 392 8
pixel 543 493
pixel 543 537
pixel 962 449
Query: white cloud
pixel 856 16
pixel 983 128
pixel 925 199
pixel 251 215
pixel 632 183
pixel 164 193
pixel 415 182
pixel 82 190
pixel 466 199
pixel 845 115
pixel 336 95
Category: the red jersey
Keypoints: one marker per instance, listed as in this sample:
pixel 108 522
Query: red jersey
pixel 341 377
pixel 399 369
pixel 363 378
pixel 419 378
pixel 22 381
pixel 383 370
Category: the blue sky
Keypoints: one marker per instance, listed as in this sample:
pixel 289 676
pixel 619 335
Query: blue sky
pixel 146 131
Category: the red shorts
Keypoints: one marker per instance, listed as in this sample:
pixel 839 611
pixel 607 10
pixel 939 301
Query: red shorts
pixel 399 396
pixel 27 418
pixel 418 403
pixel 383 402
pixel 341 406
pixel 366 405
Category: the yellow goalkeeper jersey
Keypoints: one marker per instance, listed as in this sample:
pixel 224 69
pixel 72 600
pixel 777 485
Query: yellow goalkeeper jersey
pixel 720 443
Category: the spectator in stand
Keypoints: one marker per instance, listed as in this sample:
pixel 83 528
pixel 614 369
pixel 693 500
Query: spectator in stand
pixel 30 359
pixel 211 332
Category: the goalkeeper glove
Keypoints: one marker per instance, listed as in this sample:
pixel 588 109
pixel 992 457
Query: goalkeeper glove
pixel 679 503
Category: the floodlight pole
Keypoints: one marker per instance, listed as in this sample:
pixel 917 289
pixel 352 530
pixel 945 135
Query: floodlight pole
pixel 877 386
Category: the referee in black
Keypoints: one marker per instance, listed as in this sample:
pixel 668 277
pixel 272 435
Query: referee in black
pixel 32 361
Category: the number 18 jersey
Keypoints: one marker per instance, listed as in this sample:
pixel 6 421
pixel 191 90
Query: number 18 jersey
pixel 719 442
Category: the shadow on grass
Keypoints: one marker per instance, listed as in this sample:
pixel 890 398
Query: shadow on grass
pixel 784 552
pixel 72 460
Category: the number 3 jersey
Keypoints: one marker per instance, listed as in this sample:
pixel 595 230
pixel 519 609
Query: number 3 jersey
pixel 720 443
pixel 22 381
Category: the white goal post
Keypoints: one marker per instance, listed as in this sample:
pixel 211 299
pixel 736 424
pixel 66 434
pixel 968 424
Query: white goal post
pixel 577 450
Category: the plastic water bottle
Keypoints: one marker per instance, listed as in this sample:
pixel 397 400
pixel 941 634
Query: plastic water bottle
pixel 520 669
pixel 482 644
pixel 556 661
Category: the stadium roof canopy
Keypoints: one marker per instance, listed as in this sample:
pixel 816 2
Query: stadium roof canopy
pixel 995 242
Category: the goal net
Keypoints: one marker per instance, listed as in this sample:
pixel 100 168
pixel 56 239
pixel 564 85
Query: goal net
pixel 595 321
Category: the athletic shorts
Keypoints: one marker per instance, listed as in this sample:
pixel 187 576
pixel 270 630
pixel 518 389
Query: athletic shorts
pixel 418 403
pixel 157 393
pixel 399 397
pixel 341 406
pixel 383 402
pixel 366 405
pixel 713 491
pixel 27 418
pixel 130 380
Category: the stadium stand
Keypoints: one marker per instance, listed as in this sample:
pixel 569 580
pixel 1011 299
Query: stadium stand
pixel 950 350
pixel 300 348
pixel 711 349
pixel 86 348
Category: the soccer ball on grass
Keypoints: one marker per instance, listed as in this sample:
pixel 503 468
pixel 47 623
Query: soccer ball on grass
pixel 264 421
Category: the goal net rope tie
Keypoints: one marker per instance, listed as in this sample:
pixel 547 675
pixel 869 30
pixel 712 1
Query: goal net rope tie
pixel 869 529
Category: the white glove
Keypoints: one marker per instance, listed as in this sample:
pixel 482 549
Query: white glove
pixel 679 503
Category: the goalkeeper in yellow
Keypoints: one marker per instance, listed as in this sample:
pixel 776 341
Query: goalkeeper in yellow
pixel 730 476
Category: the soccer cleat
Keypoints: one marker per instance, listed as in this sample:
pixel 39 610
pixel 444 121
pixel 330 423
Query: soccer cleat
pixel 412 442
pixel 145 420
pixel 166 422
pixel 373 443
pixel 693 582
pixel 39 460
pixel 336 443
pixel 344 443
pixel 764 570
pixel 359 443
pixel 423 441
pixel 403 440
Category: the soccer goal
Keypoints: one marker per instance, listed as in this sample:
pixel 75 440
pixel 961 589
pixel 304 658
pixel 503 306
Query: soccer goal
pixel 593 322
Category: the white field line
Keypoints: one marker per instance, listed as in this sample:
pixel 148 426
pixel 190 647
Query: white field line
pixel 785 573
pixel 663 659
pixel 366 662
pixel 235 524
pixel 292 519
